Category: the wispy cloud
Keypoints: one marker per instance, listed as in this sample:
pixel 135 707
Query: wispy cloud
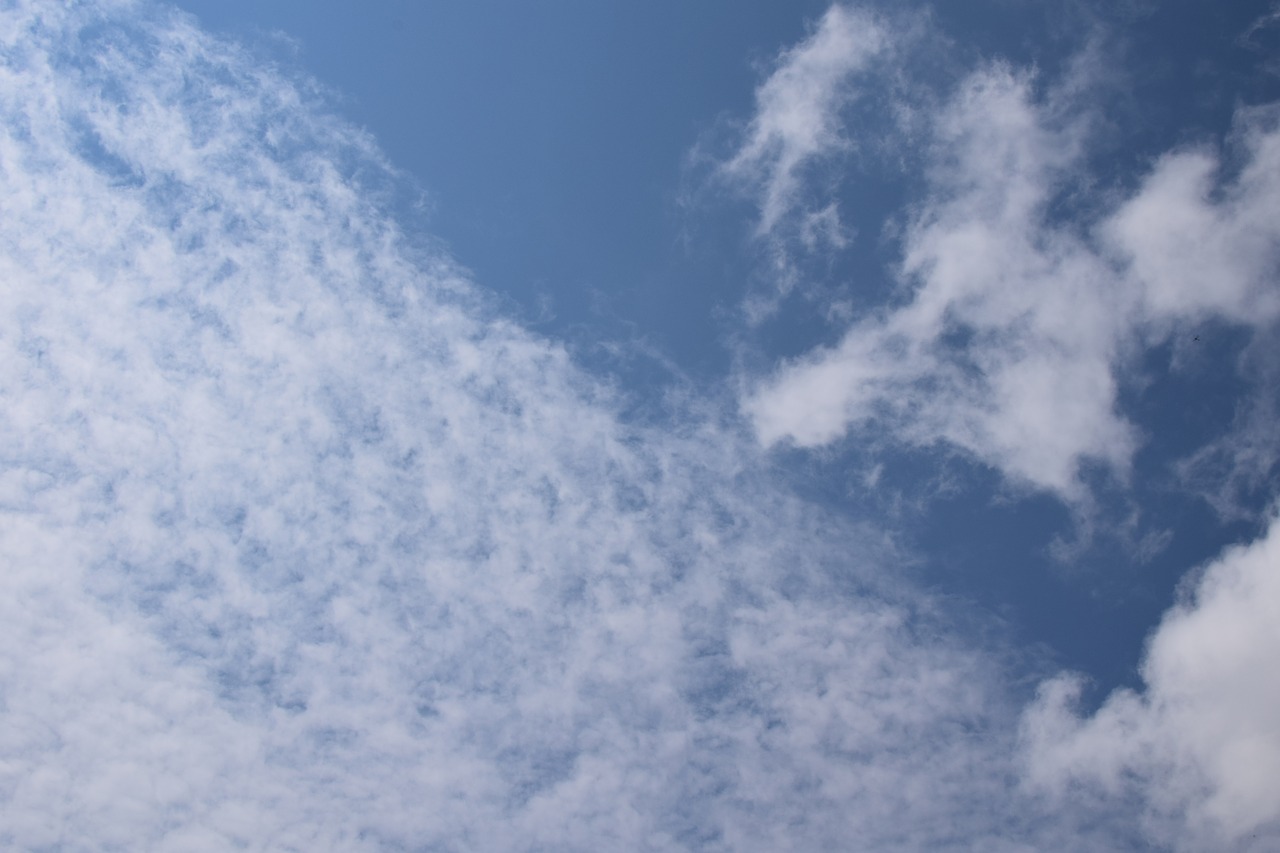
pixel 1234 471
pixel 797 120
pixel 797 137
pixel 304 548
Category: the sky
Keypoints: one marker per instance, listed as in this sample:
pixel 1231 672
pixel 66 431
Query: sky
pixel 725 426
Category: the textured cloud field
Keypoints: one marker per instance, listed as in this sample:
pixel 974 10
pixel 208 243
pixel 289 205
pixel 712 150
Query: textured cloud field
pixel 304 547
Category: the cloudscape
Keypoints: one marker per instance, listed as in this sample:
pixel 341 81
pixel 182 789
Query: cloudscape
pixel 844 428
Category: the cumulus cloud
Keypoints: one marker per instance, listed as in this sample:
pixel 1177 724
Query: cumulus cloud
pixel 1016 320
pixel 1024 296
pixel 1198 247
pixel 306 549
pixel 1200 745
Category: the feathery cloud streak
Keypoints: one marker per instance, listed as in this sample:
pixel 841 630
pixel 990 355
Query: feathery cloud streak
pixel 797 120
pixel 796 135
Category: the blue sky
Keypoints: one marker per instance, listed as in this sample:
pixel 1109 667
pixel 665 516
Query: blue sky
pixel 487 426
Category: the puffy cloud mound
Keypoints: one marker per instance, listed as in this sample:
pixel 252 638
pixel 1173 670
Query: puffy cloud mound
pixel 1016 320
pixel 1201 744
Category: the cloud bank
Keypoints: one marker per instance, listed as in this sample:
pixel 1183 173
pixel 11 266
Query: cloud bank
pixel 306 549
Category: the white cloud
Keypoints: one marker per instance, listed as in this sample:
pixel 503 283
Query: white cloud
pixel 796 139
pixel 1200 248
pixel 797 120
pixel 304 549
pixel 1016 324
pixel 1201 743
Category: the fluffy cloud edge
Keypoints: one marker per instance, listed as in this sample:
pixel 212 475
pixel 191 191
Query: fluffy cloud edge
pixel 1200 743
pixel 1017 328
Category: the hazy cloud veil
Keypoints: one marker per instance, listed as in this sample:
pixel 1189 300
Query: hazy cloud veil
pixel 304 548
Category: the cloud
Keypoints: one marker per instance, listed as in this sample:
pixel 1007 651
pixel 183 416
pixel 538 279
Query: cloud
pixel 1198 247
pixel 1025 295
pixel 1004 346
pixel 1017 317
pixel 1201 743
pixel 797 138
pixel 307 548
pixel 1234 471
pixel 797 120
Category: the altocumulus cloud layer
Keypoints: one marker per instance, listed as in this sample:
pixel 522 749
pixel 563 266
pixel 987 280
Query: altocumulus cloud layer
pixel 305 549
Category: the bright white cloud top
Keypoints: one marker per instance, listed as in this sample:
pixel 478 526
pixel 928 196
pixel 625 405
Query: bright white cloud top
pixel 1017 322
pixel 1203 741
pixel 305 548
